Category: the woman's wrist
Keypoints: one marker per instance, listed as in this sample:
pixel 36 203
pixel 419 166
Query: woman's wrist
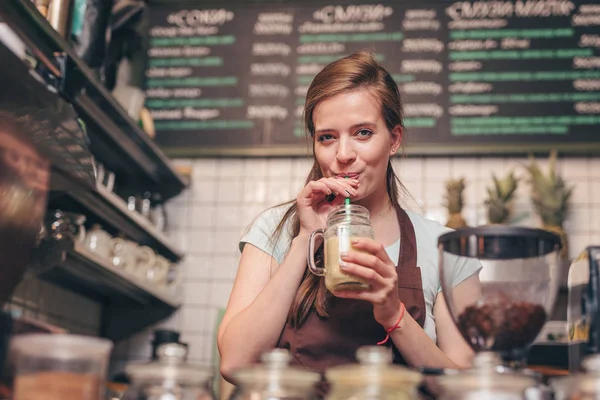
pixel 395 325
pixel 396 318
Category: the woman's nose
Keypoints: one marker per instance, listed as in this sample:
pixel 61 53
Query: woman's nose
pixel 345 153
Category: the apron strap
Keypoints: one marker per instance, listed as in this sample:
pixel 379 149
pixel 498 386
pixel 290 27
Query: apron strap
pixel 408 241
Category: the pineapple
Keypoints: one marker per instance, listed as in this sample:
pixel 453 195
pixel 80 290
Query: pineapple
pixel 454 203
pixel 500 196
pixel 550 195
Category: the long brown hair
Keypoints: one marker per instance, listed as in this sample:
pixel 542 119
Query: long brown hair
pixel 356 71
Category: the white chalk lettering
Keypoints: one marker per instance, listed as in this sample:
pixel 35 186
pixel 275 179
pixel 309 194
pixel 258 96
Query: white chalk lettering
pixel 422 45
pixel 421 88
pixel 587 107
pixel 470 87
pixel 200 113
pixel 270 49
pixel 413 66
pixel 353 13
pixel 269 69
pixel 267 112
pixel 465 66
pixel 185 18
pixel 423 110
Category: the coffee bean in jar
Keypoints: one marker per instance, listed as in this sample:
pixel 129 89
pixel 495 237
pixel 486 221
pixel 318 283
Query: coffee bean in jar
pixel 502 326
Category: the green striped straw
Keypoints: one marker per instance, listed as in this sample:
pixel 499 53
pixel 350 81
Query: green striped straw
pixel 347 205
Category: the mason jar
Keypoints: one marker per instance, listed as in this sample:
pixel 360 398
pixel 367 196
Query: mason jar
pixel 344 223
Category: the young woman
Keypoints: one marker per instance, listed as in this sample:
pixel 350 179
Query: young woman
pixel 353 113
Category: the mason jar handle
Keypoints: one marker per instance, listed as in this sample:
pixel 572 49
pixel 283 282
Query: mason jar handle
pixel 311 253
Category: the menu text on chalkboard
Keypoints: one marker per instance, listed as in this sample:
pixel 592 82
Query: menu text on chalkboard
pixel 475 76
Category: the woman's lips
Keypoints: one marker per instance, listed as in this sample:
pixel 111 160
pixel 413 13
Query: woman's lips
pixel 351 175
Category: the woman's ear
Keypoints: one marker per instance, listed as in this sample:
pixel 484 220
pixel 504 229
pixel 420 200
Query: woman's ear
pixel 396 139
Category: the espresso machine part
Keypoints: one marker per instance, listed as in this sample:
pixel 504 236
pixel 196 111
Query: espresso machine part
pixel 518 285
pixel 583 312
pixel 274 379
pixel 38 131
pixel 24 182
pixel 374 377
pixel 168 378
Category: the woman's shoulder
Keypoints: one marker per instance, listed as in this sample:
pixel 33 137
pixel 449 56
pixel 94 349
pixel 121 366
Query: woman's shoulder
pixel 270 218
pixel 261 232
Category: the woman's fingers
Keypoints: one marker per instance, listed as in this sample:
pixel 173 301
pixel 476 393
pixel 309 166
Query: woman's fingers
pixel 370 246
pixel 343 187
pixel 365 273
pixel 371 261
pixel 331 186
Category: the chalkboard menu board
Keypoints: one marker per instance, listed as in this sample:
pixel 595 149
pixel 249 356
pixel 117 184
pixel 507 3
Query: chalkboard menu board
pixel 476 76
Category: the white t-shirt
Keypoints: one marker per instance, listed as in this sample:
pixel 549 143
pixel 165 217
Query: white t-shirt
pixel 427 232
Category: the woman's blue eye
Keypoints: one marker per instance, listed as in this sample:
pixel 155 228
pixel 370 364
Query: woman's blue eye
pixel 364 132
pixel 324 137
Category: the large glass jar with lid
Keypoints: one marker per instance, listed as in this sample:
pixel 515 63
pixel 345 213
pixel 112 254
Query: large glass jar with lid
pixel 373 378
pixel 486 380
pixel 168 378
pixel 275 379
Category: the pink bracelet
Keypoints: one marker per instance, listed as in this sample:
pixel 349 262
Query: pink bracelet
pixel 393 328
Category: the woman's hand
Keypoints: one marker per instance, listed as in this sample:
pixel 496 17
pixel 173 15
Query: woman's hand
pixel 369 261
pixel 313 206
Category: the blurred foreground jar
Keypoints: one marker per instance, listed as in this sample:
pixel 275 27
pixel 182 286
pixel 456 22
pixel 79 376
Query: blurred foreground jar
pixel 59 367
pixel 373 378
pixel 168 378
pixel 580 386
pixel 486 380
pixel 274 379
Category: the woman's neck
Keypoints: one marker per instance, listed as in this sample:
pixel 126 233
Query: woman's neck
pixel 383 217
pixel 378 203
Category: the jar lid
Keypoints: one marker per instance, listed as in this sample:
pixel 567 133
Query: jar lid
pixel 587 382
pixel 591 363
pixel 374 368
pixel 170 366
pixel 485 380
pixel 61 346
pixel 274 374
pixel 486 375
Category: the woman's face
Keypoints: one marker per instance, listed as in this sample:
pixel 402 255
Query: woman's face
pixel 352 139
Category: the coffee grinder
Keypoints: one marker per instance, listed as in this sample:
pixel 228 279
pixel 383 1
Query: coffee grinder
pixel 518 287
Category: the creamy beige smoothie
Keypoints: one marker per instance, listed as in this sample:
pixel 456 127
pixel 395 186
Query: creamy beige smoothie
pixel 335 278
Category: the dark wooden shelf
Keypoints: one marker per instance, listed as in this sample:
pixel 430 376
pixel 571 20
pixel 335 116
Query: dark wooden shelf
pixel 111 212
pixel 115 138
pixel 130 303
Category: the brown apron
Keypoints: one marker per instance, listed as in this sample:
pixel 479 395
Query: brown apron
pixel 321 343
